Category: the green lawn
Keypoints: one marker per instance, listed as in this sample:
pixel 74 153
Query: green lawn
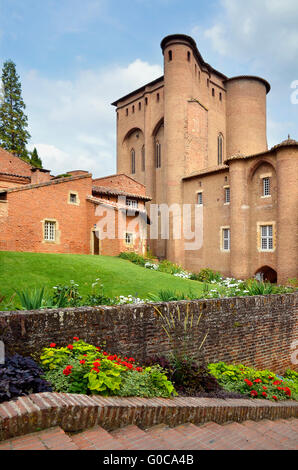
pixel 120 277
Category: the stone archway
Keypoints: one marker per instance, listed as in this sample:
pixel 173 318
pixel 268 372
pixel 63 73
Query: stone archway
pixel 266 274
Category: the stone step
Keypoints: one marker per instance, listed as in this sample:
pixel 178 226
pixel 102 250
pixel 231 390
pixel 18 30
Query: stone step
pixel 50 439
pixel 132 437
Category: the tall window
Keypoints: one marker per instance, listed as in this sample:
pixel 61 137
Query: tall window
pixel 133 161
pixel 143 158
pixel 129 239
pixel 158 154
pixel 219 149
pixel 227 195
pixel 170 55
pixel 132 203
pixel 226 239
pixel 266 237
pixel 50 231
pixel 200 199
pixel 266 186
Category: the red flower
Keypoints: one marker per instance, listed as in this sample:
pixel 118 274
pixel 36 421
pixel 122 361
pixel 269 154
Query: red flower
pixel 96 364
pixel 82 361
pixel 277 382
pixel 274 397
pixel 67 370
pixel 105 353
pixel 85 355
pixel 264 388
pixel 76 338
pixel 264 394
pixel 52 345
pixel 70 346
pixel 139 369
pixel 98 348
pixel 254 393
pixel 258 381
pixel 95 369
pixel 270 377
pixel 129 366
pixel 287 391
pixel 131 359
pixel 248 382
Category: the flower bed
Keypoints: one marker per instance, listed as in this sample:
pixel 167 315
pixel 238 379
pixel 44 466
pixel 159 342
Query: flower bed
pixel 263 384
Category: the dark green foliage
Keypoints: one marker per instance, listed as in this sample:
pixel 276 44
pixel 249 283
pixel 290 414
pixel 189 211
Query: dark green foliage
pixel 14 135
pixel 35 159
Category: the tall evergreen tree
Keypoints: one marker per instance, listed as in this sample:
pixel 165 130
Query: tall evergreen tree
pixel 35 160
pixel 13 121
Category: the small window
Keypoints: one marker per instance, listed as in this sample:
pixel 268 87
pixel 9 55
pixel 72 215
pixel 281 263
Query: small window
pixel 219 149
pixel 266 186
pixel 213 92
pixel 133 161
pixel 132 203
pixel 133 109
pixel 157 97
pixel 200 199
pixel 73 198
pixel 129 239
pixel 158 155
pixel 220 96
pixel 140 106
pixel 227 195
pixel 188 56
pixel 50 231
pixel 126 111
pixel 143 158
pixel 266 237
pixel 146 101
pixel 226 239
pixel 170 55
pixel 208 82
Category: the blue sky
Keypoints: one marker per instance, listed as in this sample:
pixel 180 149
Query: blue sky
pixel 76 57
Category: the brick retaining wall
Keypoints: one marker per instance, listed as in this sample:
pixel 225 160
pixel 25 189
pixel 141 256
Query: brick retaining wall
pixel 75 412
pixel 257 331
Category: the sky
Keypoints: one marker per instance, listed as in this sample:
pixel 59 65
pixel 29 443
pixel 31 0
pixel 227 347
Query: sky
pixel 75 58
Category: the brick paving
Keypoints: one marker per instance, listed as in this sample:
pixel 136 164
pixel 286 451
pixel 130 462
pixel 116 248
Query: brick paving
pixel 249 435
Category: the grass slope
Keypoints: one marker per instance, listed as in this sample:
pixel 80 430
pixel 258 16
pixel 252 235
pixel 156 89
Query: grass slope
pixel 120 277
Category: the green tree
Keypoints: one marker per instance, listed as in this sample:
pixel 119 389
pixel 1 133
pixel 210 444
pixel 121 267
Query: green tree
pixel 13 121
pixel 35 160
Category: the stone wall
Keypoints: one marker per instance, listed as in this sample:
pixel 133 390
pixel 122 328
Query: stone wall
pixel 257 331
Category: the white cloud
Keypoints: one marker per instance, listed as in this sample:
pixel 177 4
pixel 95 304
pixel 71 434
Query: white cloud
pixel 72 122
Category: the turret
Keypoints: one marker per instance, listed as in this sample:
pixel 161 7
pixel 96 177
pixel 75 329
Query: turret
pixel 246 115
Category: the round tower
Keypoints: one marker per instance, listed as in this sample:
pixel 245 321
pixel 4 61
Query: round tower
pixel 246 115
pixel 179 54
pixel 287 209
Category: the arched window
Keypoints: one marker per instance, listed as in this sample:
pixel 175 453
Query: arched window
pixel 220 149
pixel 143 158
pixel 158 154
pixel 133 161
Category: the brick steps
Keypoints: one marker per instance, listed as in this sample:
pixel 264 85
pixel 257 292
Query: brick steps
pixel 249 435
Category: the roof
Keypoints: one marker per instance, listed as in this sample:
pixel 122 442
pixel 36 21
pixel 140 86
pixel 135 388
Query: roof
pixel 118 192
pixel 139 90
pixel 251 77
pixel 45 183
pixel 207 171
pixel 14 175
pixel 285 143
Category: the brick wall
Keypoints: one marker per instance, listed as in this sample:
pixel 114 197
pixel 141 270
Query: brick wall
pixel 257 331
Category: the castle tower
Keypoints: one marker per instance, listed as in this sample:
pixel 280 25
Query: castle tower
pixel 178 87
pixel 246 115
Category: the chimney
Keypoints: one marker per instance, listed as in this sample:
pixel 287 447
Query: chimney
pixel 39 175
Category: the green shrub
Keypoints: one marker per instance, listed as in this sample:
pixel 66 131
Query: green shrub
pixel 254 383
pixel 83 368
pixel 133 257
pixel 31 299
pixel 206 275
pixel 166 266
pixel 168 295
